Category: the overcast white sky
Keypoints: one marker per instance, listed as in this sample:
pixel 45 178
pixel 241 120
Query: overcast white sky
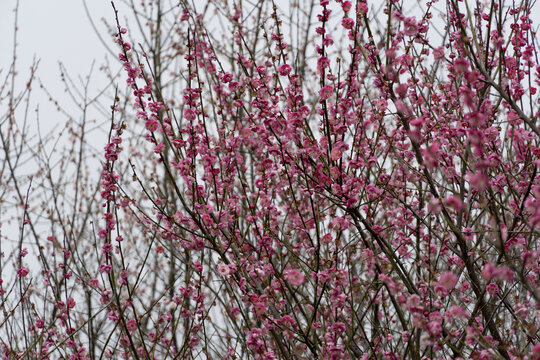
pixel 53 30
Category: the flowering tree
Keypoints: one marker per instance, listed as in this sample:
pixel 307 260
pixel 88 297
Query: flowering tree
pixel 331 180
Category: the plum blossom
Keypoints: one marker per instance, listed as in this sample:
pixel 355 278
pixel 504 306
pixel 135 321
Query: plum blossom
pixel 347 23
pixel 294 277
pixel 448 280
pixel 284 69
pixel 224 270
pixel 326 92
pixel 22 272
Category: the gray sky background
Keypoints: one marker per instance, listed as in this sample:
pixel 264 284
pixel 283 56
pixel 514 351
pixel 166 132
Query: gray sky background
pixel 54 31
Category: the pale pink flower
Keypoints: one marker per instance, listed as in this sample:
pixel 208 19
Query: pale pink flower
pixel 448 280
pixel 131 325
pixel 454 202
pixel 438 53
pixel 410 26
pixel 259 308
pixel 461 65
pixel 294 277
pixel 487 271
pixel 456 312
pixel 536 351
pixel 223 270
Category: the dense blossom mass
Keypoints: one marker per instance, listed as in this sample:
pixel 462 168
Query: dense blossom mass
pixel 321 180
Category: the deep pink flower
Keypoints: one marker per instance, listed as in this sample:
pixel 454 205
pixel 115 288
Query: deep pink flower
pixel 39 323
pixel 284 69
pixel 22 272
pixel 190 114
pixel 152 124
pixel 326 92
pixel 347 23
pixel 492 288
pixel 71 303
pixel 105 268
pixel 322 63
pixel 227 77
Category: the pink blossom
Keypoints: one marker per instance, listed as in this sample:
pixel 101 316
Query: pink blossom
pixel 284 69
pixel 410 26
pixel 105 268
pixel 454 203
pixel 152 124
pixel 492 288
pixel 401 90
pixel 190 114
pixel 159 148
pixel 71 303
pixel 131 325
pixel 227 77
pixel 382 105
pixel 491 272
pixel 322 63
pixel 223 270
pixel 335 154
pixel 438 53
pixel 294 276
pixel 457 312
pixel 361 8
pixel 39 323
pixel 536 352
pixel 488 272
pixel 448 280
pixel 347 23
pixel 93 283
pixel 22 272
pixel 259 308
pixel 461 65
pixel 326 92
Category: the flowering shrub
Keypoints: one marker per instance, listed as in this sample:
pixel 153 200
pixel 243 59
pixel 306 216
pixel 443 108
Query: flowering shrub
pixel 363 186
